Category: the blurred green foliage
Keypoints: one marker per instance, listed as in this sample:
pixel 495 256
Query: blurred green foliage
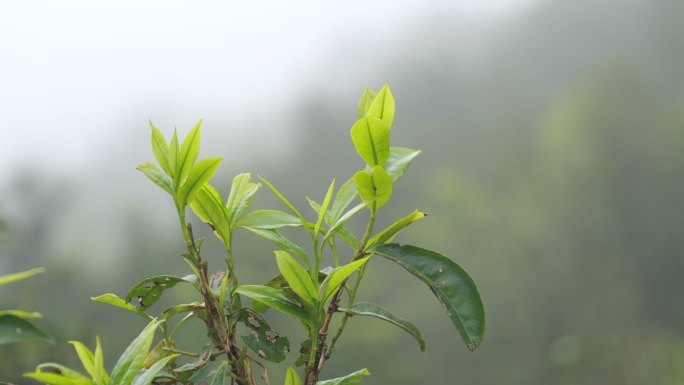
pixel 558 161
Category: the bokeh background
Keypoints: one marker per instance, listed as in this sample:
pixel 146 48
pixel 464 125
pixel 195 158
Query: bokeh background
pixel 553 168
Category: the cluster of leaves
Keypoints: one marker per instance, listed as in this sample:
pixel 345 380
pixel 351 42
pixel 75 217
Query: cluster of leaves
pixel 309 286
pixel 17 325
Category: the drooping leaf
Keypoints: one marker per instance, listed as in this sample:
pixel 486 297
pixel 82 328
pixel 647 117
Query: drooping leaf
pixel 15 277
pixel 382 106
pixel 262 339
pixel 345 196
pixel 188 153
pixel 399 160
pixel 131 361
pixel 297 277
pixel 161 150
pixel 324 207
pixel 377 311
pixel 148 291
pixel 114 300
pixel 338 276
pixel 16 329
pixel 148 375
pixel 365 102
pixel 241 195
pixel 209 207
pixel 155 175
pixel 350 379
pixel 212 374
pixel 370 137
pixel 449 282
pixel 55 374
pixel 375 187
pixel 200 174
pixel 275 300
pixel 389 233
pixel 287 245
pixel 267 219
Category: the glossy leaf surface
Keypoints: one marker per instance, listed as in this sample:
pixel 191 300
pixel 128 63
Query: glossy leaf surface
pixel 350 379
pixel 449 282
pixel 370 137
pixel 377 311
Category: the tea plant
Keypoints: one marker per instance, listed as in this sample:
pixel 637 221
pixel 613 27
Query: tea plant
pixel 17 325
pixel 313 286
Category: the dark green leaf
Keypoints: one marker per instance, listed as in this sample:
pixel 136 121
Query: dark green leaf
pixel 275 300
pixel 199 175
pixel 262 339
pixel 188 153
pixel 382 106
pixel 370 137
pixel 389 233
pixel 267 219
pixel 155 175
pixel 350 379
pixel 451 284
pixel 399 160
pixel 377 311
pixel 148 291
pixel 16 329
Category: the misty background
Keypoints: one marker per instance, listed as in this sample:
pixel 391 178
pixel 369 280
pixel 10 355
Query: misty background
pixel 552 169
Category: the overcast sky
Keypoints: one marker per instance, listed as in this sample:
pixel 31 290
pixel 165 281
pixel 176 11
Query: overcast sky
pixel 72 70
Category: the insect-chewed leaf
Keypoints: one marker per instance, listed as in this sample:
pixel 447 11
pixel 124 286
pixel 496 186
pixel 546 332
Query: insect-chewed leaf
pixel 350 379
pixel 15 277
pixel 262 339
pixel 377 311
pixel 382 106
pixel 365 102
pixel 188 153
pixel 268 219
pixel 449 282
pixel 370 137
pixel 200 174
pixel 399 160
pixel 389 233
pixel 16 329
pixel 148 291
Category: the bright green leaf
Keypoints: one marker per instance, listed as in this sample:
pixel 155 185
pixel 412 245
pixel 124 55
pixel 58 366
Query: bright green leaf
pixel 275 300
pixel 267 219
pixel 287 245
pixel 209 207
pixel 16 329
pixel 284 201
pixel 241 195
pixel 199 175
pixel 389 233
pixel 365 102
pixel 155 175
pixel 297 277
pixel 350 379
pixel 345 196
pixel 188 153
pixel 324 208
pixel 370 137
pixel 375 187
pixel 55 374
pixel 15 277
pixel 148 375
pixel 292 378
pixel 340 275
pixel 377 311
pixel 130 362
pixel 382 106
pixel 399 160
pixel 339 225
pixel 87 359
pixel 21 314
pixel 114 300
pixel 173 158
pixel 449 282
pixel 161 150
